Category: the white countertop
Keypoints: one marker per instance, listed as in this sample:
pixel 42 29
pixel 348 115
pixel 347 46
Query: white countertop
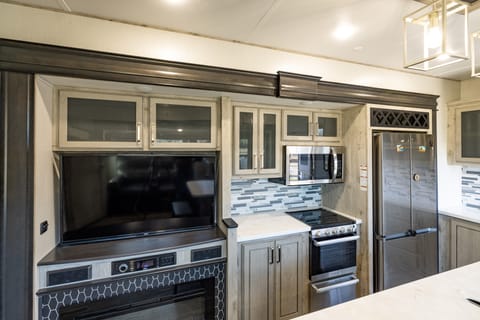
pixel 439 297
pixel 265 225
pixel 472 215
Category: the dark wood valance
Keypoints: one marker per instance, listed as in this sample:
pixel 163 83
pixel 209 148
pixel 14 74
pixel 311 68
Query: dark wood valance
pixel 47 59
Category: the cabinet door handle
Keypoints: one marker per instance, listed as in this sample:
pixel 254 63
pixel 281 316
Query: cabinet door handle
pixel 254 161
pixel 315 129
pixel 271 253
pixel 139 132
pixel 262 165
pixel 310 128
pixel 153 133
pixel 279 253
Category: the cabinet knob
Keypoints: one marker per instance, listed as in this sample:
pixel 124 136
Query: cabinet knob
pixel 416 177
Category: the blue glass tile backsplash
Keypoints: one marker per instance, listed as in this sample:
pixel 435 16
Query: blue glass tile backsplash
pixel 260 195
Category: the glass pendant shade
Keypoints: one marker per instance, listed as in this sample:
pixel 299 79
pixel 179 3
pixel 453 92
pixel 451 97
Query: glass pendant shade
pixel 436 35
pixel 475 44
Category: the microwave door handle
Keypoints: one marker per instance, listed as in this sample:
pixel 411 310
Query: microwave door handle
pixel 312 167
pixel 335 165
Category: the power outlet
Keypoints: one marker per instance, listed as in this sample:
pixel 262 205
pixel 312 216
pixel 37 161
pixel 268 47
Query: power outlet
pixel 43 227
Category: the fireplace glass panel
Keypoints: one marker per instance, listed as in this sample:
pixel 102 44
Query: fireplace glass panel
pixel 190 301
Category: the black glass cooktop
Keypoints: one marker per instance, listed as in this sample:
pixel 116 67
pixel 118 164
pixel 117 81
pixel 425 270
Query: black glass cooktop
pixel 321 218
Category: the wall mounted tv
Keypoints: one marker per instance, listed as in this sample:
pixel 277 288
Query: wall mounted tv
pixel 112 196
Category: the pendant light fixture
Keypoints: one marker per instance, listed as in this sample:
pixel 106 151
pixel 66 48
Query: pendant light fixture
pixel 436 35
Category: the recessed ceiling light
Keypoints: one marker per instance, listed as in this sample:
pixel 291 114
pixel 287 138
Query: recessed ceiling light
pixel 344 31
pixel 176 2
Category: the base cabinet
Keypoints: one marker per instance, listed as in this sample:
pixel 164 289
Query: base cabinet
pixel 465 245
pixel 273 278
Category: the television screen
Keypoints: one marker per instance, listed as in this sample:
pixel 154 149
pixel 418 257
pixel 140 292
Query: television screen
pixel 107 196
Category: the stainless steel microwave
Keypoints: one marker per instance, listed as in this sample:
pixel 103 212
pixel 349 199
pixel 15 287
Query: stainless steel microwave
pixel 313 164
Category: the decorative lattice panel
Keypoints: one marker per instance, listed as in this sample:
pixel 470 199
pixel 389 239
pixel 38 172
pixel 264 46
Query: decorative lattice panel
pixel 399 119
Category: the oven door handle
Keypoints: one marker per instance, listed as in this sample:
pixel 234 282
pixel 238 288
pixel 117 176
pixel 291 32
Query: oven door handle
pixel 335 286
pixel 334 241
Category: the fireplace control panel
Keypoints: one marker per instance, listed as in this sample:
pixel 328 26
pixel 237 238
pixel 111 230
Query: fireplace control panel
pixel 144 263
pixel 53 275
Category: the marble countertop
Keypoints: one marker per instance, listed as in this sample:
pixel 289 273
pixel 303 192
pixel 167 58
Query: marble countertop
pixel 439 297
pixel 472 215
pixel 272 224
pixel 265 225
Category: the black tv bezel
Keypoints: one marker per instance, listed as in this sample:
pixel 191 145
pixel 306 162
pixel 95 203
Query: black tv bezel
pixel 60 193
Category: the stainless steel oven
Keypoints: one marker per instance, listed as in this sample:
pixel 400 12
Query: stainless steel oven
pixel 333 257
pixel 333 267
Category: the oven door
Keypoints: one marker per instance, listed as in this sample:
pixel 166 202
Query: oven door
pixel 333 257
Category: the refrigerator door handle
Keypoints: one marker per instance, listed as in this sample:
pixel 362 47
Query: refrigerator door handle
pixel 425 230
pixel 408 233
pixel 394 236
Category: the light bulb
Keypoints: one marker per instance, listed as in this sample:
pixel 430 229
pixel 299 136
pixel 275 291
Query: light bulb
pixel 434 32
pixel 434 37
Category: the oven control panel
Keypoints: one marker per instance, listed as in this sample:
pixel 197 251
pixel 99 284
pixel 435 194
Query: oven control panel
pixel 334 231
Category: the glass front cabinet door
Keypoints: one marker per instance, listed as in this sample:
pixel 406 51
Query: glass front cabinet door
pixel 178 123
pixel 257 141
pixel 312 126
pixel 94 120
pixel 467 142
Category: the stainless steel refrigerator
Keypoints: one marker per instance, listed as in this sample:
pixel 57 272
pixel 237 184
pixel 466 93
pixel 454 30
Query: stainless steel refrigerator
pixel 405 208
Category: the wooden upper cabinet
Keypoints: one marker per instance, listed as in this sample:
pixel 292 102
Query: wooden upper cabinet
pixel 88 120
pixel 182 123
pixel 94 120
pixel 312 126
pixel 257 149
pixel 466 124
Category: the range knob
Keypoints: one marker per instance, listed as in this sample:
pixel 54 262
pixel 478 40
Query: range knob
pixel 334 231
pixel 341 230
pixel 327 232
pixel 123 268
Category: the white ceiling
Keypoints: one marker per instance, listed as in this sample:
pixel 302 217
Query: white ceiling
pixel 302 26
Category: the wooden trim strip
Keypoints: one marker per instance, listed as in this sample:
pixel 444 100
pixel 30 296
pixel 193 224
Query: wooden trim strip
pixel 39 58
pixel 312 88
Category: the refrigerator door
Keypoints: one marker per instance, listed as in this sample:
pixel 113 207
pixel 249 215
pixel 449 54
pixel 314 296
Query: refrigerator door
pixel 405 259
pixel 392 169
pixel 406 246
pixel 424 182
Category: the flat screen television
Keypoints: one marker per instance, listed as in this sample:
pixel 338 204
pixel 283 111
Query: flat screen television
pixel 113 196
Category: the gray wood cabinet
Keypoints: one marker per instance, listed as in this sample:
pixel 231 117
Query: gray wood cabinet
pixel 465 242
pixel 273 278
